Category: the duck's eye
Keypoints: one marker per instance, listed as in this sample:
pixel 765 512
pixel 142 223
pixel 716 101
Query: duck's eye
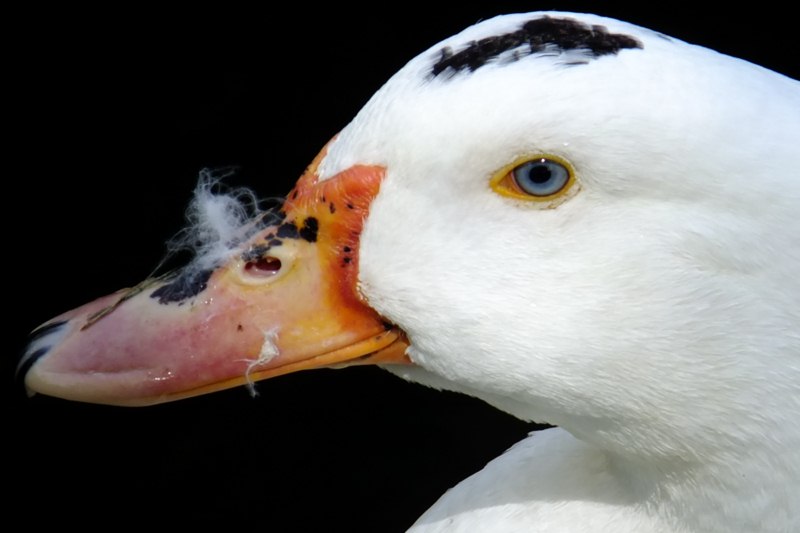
pixel 540 178
pixel 543 177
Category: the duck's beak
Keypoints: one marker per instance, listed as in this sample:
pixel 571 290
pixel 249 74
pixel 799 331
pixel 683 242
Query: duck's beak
pixel 286 300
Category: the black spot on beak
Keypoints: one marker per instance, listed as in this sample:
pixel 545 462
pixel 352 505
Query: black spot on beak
pixel 256 252
pixel 38 346
pixel 288 230
pixel 44 330
pixel 188 284
pixel 308 232
pixel 310 229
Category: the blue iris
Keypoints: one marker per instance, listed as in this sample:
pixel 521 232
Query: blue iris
pixel 541 177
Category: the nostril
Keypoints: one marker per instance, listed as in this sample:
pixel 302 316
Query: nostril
pixel 263 266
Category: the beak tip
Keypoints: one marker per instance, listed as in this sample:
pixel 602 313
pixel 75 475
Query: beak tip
pixel 40 341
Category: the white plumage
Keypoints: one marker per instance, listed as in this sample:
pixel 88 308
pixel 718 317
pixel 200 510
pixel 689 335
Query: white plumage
pixel 653 317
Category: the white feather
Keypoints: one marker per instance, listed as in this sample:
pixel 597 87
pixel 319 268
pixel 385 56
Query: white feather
pixel 219 219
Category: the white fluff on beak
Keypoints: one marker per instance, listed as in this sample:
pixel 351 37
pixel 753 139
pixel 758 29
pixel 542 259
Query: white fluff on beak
pixel 269 351
pixel 219 220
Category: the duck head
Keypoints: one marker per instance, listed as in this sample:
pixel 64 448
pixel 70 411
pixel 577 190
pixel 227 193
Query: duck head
pixel 580 221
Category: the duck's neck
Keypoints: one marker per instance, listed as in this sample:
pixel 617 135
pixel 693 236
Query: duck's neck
pixel 755 490
pixel 739 471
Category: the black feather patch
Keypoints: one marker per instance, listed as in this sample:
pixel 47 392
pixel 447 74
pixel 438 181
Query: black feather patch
pixel 538 35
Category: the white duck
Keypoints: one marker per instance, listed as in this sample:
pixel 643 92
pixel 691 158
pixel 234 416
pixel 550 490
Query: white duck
pixel 580 221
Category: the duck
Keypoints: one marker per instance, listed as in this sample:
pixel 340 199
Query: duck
pixel 560 214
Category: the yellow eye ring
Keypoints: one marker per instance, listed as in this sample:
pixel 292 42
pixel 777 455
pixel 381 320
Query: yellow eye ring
pixel 539 178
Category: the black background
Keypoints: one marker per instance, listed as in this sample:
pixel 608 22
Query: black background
pixel 112 115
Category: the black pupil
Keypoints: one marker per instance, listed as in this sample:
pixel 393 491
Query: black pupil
pixel 539 174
